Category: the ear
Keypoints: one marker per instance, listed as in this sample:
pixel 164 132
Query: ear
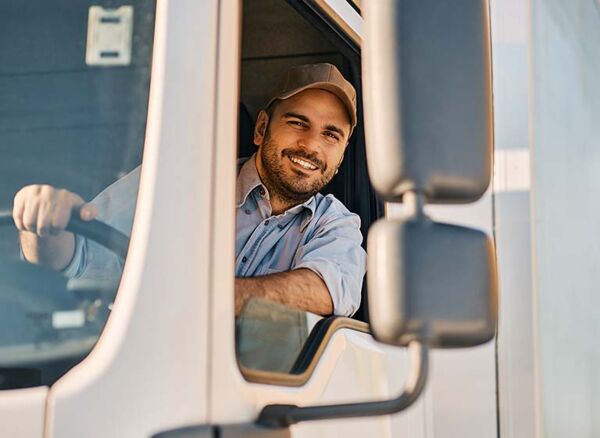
pixel 260 128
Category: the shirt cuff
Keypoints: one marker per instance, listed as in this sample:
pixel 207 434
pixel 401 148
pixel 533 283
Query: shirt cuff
pixel 344 289
pixel 77 263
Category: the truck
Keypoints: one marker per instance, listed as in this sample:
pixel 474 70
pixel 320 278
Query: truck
pixel 465 324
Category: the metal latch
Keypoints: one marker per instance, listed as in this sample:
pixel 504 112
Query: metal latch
pixel 109 36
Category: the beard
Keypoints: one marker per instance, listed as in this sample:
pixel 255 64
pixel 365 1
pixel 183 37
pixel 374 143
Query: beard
pixel 292 189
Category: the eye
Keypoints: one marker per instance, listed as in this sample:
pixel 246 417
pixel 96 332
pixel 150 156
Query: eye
pixel 297 123
pixel 332 135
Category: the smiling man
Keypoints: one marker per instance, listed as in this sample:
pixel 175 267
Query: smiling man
pixel 294 245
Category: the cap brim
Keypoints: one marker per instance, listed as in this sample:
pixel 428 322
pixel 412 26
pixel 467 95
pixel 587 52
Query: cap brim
pixel 327 86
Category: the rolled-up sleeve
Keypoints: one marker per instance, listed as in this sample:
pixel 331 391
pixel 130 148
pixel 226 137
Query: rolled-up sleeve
pixel 78 262
pixel 335 254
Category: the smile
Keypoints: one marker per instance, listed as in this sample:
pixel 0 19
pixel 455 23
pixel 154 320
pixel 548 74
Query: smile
pixel 302 163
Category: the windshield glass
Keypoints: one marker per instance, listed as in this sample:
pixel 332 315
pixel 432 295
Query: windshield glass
pixel 74 81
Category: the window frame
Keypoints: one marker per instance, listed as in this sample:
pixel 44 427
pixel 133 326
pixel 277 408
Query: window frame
pixel 324 19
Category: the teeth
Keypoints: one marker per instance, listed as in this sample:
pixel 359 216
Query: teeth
pixel 305 164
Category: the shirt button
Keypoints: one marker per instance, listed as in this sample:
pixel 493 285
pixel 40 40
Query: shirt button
pixel 244 259
pixel 262 191
pixel 280 226
pixel 266 223
pixel 247 211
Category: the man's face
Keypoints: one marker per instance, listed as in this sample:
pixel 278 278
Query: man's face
pixel 301 146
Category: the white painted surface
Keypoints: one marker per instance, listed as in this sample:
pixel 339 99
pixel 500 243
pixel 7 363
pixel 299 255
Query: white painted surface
pixel 566 176
pixel 148 370
pixel 511 171
pixel 22 412
pixel 512 226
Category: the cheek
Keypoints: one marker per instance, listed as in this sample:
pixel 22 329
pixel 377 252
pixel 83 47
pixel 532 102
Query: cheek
pixel 334 158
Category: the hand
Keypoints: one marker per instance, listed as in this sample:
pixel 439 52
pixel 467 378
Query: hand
pixel 41 214
pixel 46 211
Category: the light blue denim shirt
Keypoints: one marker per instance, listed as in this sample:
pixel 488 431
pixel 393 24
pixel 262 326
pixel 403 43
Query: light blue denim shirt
pixel 320 235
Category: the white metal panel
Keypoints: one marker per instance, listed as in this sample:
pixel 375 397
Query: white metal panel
pixel 512 186
pixel 566 213
pixel 148 371
pixel 22 412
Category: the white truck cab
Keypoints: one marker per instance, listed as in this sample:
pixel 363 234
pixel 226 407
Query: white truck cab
pixel 91 91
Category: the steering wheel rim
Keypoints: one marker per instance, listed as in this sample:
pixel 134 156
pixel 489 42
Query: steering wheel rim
pixel 98 231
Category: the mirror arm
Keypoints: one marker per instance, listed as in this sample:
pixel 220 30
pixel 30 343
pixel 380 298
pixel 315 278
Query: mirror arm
pixel 414 202
pixel 279 415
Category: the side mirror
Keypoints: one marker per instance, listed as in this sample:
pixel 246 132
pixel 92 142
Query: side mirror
pixel 428 98
pixel 431 282
pixel 428 107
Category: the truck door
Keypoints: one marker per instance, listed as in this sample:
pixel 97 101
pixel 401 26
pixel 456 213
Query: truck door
pixel 281 355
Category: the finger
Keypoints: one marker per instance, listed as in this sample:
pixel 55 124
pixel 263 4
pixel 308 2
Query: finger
pixel 30 215
pixel 63 204
pixel 88 212
pixel 42 227
pixel 47 206
pixel 60 218
pixel 18 208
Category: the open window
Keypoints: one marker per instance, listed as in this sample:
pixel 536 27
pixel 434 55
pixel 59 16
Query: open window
pixel 276 344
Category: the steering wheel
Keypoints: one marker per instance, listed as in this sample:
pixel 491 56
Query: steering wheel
pixel 38 306
pixel 21 273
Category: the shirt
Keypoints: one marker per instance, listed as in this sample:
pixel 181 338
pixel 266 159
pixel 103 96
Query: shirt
pixel 320 235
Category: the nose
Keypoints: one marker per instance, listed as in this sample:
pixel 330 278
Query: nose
pixel 310 141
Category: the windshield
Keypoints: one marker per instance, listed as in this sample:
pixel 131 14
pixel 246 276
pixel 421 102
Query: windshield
pixel 74 81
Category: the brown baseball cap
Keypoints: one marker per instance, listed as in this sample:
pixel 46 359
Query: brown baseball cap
pixel 322 76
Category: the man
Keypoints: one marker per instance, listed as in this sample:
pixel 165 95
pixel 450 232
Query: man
pixel 293 245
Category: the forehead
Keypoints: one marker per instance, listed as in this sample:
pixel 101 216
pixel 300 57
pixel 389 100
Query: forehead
pixel 317 104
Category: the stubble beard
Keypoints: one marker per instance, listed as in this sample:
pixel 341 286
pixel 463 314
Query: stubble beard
pixel 294 190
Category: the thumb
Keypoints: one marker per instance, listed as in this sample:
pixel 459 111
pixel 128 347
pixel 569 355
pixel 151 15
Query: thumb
pixel 87 212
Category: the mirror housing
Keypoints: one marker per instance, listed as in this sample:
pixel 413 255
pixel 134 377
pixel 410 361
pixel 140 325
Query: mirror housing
pixel 427 85
pixel 431 282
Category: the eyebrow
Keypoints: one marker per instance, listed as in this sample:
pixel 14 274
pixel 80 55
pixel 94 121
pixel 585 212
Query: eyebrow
pixel 307 120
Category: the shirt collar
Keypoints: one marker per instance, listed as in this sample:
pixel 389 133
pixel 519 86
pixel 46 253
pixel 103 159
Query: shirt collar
pixel 248 180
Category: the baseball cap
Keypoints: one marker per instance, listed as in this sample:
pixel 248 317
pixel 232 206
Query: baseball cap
pixel 323 76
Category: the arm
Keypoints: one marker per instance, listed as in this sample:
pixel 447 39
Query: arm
pixel 300 288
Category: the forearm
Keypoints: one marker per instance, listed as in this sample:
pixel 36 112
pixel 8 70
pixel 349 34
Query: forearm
pixel 301 289
pixel 53 251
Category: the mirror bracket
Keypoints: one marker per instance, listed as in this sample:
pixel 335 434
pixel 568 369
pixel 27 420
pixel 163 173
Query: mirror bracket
pixel 414 202
pixel 280 415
